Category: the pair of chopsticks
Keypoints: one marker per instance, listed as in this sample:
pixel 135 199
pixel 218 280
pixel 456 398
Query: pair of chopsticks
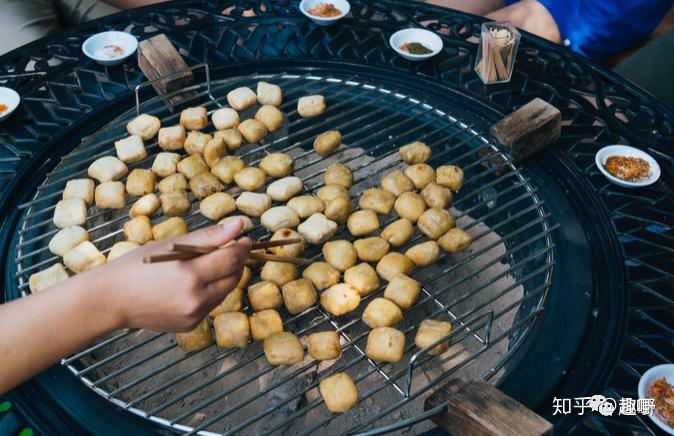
pixel 187 252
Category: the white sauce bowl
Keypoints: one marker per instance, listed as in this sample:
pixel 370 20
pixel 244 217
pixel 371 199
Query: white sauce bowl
pixel 646 380
pixel 97 47
pixel 9 98
pixel 422 36
pixel 627 151
pixel 343 5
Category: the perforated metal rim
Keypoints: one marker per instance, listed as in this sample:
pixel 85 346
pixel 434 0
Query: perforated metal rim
pixel 462 134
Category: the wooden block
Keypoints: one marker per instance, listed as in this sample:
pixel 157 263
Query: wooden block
pixel 158 58
pixel 529 129
pixel 478 408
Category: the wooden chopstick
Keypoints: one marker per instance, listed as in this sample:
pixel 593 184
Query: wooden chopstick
pixel 187 251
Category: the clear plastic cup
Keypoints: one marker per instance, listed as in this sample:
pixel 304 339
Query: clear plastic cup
pixel 496 52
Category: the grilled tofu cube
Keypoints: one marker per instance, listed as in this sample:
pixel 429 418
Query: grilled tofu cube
pixel 233 302
pixel 47 278
pixel 431 331
pixel 292 250
pixel 317 229
pixel 250 179
pixel 339 209
pixel 84 256
pixel 175 226
pixel 197 339
pixel 398 232
pixel 362 222
pixel 299 295
pixel 165 164
pixel 385 344
pixel 232 137
pixel 141 182
pixel 392 264
pixel 144 125
pixel 264 295
pixel 225 118
pixel 279 217
pixel 420 174
pixel 403 291
pixel 381 312
pixel 340 254
pixel 322 275
pixel 338 174
pixel 277 164
pixel 435 222
pixel 270 116
pixel 283 348
pixel 436 196
pixel 324 345
pixel 311 105
pixel 378 200
pixel 241 98
pixel 107 168
pixel 284 189
pixel 214 150
pixel 196 142
pixel 371 249
pixel 339 392
pixel 415 152
pixel 130 149
pixel 396 183
pixel 119 249
pixel 455 240
pixel 110 195
pixel 252 203
pixel 450 176
pixel 146 205
pixel 172 138
pixel 340 299
pixel 194 118
pixel 424 253
pixel 410 205
pixel 66 239
pixel 172 183
pixel 268 93
pixel 232 330
pixel 265 323
pixel 363 278
pixel 138 229
pixel 252 130
pixel 72 212
pixel 306 205
pixel 279 273
pixel 175 203
pixel 192 166
pixel 205 184
pixel 327 142
pixel 80 188
pixel 226 168
pixel 217 205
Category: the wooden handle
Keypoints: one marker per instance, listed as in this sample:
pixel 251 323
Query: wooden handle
pixel 478 408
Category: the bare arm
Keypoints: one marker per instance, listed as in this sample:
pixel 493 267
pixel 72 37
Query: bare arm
pixel 129 4
pixel 531 16
pixel 38 331
pixel 477 7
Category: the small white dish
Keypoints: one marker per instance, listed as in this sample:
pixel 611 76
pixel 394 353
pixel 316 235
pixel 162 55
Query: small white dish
pixel 627 151
pixel 343 5
pixel 422 36
pixel 9 98
pixel 110 48
pixel 646 380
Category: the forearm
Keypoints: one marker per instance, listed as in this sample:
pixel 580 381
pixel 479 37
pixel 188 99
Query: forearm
pixel 55 323
pixel 477 7
pixel 128 4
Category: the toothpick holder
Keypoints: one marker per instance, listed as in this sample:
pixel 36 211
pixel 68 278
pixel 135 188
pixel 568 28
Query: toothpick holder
pixel 496 52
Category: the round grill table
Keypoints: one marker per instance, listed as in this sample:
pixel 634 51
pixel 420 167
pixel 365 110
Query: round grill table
pixel 629 233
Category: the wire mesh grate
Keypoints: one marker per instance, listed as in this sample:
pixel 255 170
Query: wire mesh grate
pixel 492 293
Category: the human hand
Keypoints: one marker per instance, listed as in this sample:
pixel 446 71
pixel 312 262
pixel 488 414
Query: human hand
pixel 172 296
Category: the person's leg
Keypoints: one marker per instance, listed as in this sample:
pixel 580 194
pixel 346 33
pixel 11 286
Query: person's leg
pixel 23 21
pixel 531 16
pixel 477 7
pixel 652 67
pixel 74 12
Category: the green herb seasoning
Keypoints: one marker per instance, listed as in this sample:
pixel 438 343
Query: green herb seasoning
pixel 415 48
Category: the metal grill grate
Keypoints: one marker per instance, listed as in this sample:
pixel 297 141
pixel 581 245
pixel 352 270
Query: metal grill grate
pixel 492 293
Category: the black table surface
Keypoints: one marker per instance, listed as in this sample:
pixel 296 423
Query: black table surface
pixel 60 86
